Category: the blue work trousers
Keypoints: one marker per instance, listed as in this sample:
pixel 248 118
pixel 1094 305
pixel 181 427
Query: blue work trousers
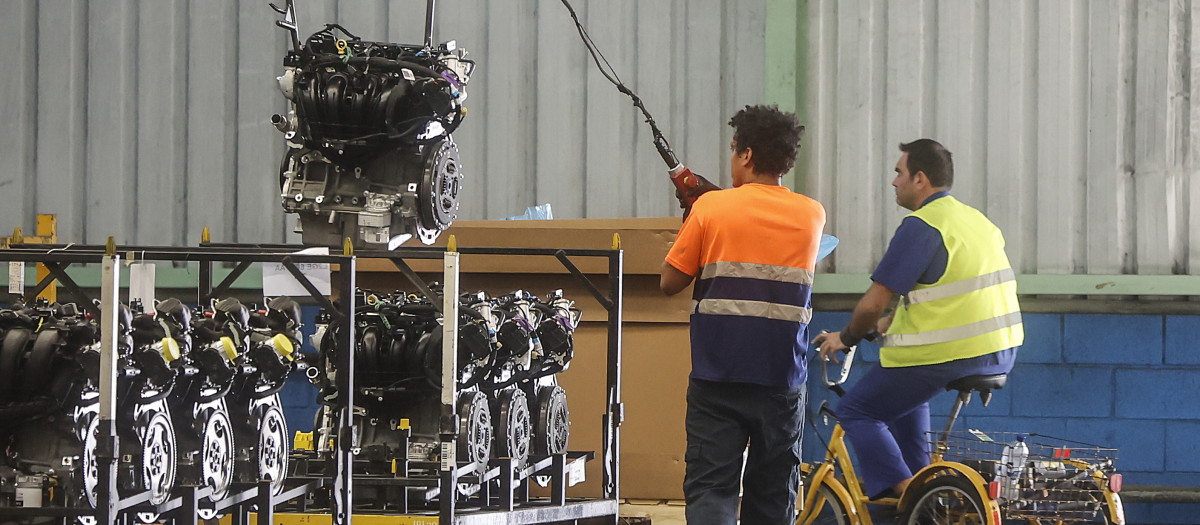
pixel 886 415
pixel 721 419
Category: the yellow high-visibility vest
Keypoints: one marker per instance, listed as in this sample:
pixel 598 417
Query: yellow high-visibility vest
pixel 972 309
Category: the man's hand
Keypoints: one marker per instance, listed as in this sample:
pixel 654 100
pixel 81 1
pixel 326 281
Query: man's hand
pixel 885 322
pixel 830 344
pixel 694 193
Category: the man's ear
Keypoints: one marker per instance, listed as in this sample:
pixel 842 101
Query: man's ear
pixel 747 157
pixel 920 177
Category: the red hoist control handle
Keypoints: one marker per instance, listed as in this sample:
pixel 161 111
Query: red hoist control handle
pixel 684 182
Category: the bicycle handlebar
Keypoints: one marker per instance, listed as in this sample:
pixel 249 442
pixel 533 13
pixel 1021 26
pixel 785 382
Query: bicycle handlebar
pixel 847 362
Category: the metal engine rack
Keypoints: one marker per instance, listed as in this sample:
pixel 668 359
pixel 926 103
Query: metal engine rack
pixel 331 477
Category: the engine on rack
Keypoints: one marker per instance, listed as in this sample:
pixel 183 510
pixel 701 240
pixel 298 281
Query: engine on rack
pixel 196 392
pixel 370 155
pixel 510 349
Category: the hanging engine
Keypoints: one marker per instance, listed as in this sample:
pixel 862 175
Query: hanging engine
pixel 196 400
pixel 370 154
pixel 509 402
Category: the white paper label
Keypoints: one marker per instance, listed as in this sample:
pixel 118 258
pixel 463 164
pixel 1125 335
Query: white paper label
pixel 141 284
pixel 277 280
pixel 576 473
pixel 16 277
pixel 448 459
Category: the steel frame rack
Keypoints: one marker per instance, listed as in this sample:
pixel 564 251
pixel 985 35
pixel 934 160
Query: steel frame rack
pixel 339 471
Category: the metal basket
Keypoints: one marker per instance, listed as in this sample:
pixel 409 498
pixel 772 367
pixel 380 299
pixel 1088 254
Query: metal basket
pixel 1058 480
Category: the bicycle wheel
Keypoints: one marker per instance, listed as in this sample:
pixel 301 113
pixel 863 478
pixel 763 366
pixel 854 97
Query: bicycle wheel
pixel 946 500
pixel 827 509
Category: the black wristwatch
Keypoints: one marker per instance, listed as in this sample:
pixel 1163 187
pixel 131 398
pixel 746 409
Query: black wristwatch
pixel 872 335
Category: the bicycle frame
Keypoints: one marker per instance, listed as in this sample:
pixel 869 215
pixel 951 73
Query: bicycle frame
pixel 826 473
pixel 848 489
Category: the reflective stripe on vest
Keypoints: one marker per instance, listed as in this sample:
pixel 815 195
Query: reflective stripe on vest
pixel 955 333
pixel 769 272
pixel 960 287
pixel 742 307
pixel 972 309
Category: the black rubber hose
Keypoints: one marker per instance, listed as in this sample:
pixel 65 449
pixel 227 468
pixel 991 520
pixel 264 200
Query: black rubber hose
pixel 41 357
pixel 419 309
pixel 11 351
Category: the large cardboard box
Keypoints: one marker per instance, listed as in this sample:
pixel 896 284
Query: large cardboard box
pixel 655 358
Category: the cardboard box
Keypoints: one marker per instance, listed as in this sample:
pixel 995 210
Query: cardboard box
pixel 655 358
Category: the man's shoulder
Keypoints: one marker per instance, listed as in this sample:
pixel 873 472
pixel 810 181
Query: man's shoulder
pixel 744 199
pixel 915 224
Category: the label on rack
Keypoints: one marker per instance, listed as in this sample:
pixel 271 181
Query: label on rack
pixel 16 277
pixel 448 459
pixel 141 285
pixel 576 472
pixel 277 280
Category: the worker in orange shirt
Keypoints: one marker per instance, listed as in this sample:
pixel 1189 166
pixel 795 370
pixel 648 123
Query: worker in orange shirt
pixel 751 250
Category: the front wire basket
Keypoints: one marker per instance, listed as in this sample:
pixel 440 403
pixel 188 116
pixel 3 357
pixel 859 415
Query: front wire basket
pixel 1057 480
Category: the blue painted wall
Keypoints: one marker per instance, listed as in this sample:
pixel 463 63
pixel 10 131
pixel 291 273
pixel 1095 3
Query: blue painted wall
pixel 1131 382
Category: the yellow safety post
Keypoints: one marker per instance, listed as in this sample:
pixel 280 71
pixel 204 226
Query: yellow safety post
pixel 110 247
pixel 347 247
pixel 616 241
pixel 47 232
pixel 205 236
pixel 452 244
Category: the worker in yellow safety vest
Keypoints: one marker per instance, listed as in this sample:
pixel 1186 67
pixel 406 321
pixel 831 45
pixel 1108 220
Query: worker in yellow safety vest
pixel 957 316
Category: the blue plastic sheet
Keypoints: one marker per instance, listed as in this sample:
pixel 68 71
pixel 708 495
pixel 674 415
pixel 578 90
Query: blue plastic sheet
pixel 828 243
pixel 540 212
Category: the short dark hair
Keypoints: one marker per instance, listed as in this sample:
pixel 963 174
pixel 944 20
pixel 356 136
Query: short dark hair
pixel 931 157
pixel 774 136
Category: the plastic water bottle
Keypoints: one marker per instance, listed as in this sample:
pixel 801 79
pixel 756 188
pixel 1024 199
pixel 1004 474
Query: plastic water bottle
pixel 1013 461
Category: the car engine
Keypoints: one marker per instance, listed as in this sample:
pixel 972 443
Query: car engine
pixel 509 403
pixel 370 155
pixel 197 394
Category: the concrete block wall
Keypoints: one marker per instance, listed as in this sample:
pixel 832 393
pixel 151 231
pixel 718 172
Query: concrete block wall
pixel 1130 382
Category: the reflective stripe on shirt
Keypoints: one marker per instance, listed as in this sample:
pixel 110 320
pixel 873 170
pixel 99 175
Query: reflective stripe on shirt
pixel 769 272
pixel 954 333
pixel 742 307
pixel 943 291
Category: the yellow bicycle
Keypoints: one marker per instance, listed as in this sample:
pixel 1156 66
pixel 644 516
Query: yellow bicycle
pixel 973 477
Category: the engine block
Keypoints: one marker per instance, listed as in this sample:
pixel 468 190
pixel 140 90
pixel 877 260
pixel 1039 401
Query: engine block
pixel 370 154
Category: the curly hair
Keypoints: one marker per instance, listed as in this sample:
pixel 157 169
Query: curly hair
pixel 774 136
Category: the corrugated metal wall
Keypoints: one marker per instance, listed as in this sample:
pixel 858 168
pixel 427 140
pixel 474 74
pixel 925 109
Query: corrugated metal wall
pixel 1073 123
pixel 148 120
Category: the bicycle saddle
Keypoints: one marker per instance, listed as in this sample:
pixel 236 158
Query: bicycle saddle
pixel 978 383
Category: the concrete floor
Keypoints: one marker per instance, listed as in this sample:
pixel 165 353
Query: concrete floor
pixel 665 512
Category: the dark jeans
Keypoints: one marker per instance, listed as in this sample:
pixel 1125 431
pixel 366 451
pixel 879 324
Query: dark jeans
pixel 886 415
pixel 721 419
